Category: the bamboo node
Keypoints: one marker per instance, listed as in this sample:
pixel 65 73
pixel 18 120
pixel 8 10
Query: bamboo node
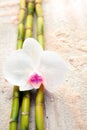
pixel 25 113
pixel 15 97
pixel 39 104
pixel 28 28
pixel 40 16
pixel 37 3
pixel 19 39
pixel 38 34
pixel 30 1
pixel 12 120
pixel 22 8
pixel 26 96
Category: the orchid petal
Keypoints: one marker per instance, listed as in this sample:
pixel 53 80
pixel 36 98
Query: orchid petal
pixel 17 68
pixel 54 70
pixel 34 50
pixel 26 87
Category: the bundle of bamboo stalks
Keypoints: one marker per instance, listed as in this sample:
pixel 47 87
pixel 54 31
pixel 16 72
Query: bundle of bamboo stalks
pixel 22 99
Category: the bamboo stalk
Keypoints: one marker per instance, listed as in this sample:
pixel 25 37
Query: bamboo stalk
pixel 15 109
pixel 29 19
pixel 39 110
pixel 15 101
pixel 25 111
pixel 28 26
pixel 40 22
pixel 21 24
pixel 26 95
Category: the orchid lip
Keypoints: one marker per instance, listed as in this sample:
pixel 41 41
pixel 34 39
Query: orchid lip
pixel 35 79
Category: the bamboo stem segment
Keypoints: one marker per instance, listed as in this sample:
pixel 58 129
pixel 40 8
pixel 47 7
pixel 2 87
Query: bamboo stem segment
pixel 40 22
pixel 40 31
pixel 28 26
pixel 25 111
pixel 21 24
pixel 29 19
pixel 15 109
pixel 39 110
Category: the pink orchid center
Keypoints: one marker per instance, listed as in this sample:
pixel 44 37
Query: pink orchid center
pixel 36 80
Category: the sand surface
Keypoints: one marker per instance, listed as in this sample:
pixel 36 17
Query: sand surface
pixel 65 33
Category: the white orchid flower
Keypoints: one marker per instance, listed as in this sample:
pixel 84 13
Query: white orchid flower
pixel 31 66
